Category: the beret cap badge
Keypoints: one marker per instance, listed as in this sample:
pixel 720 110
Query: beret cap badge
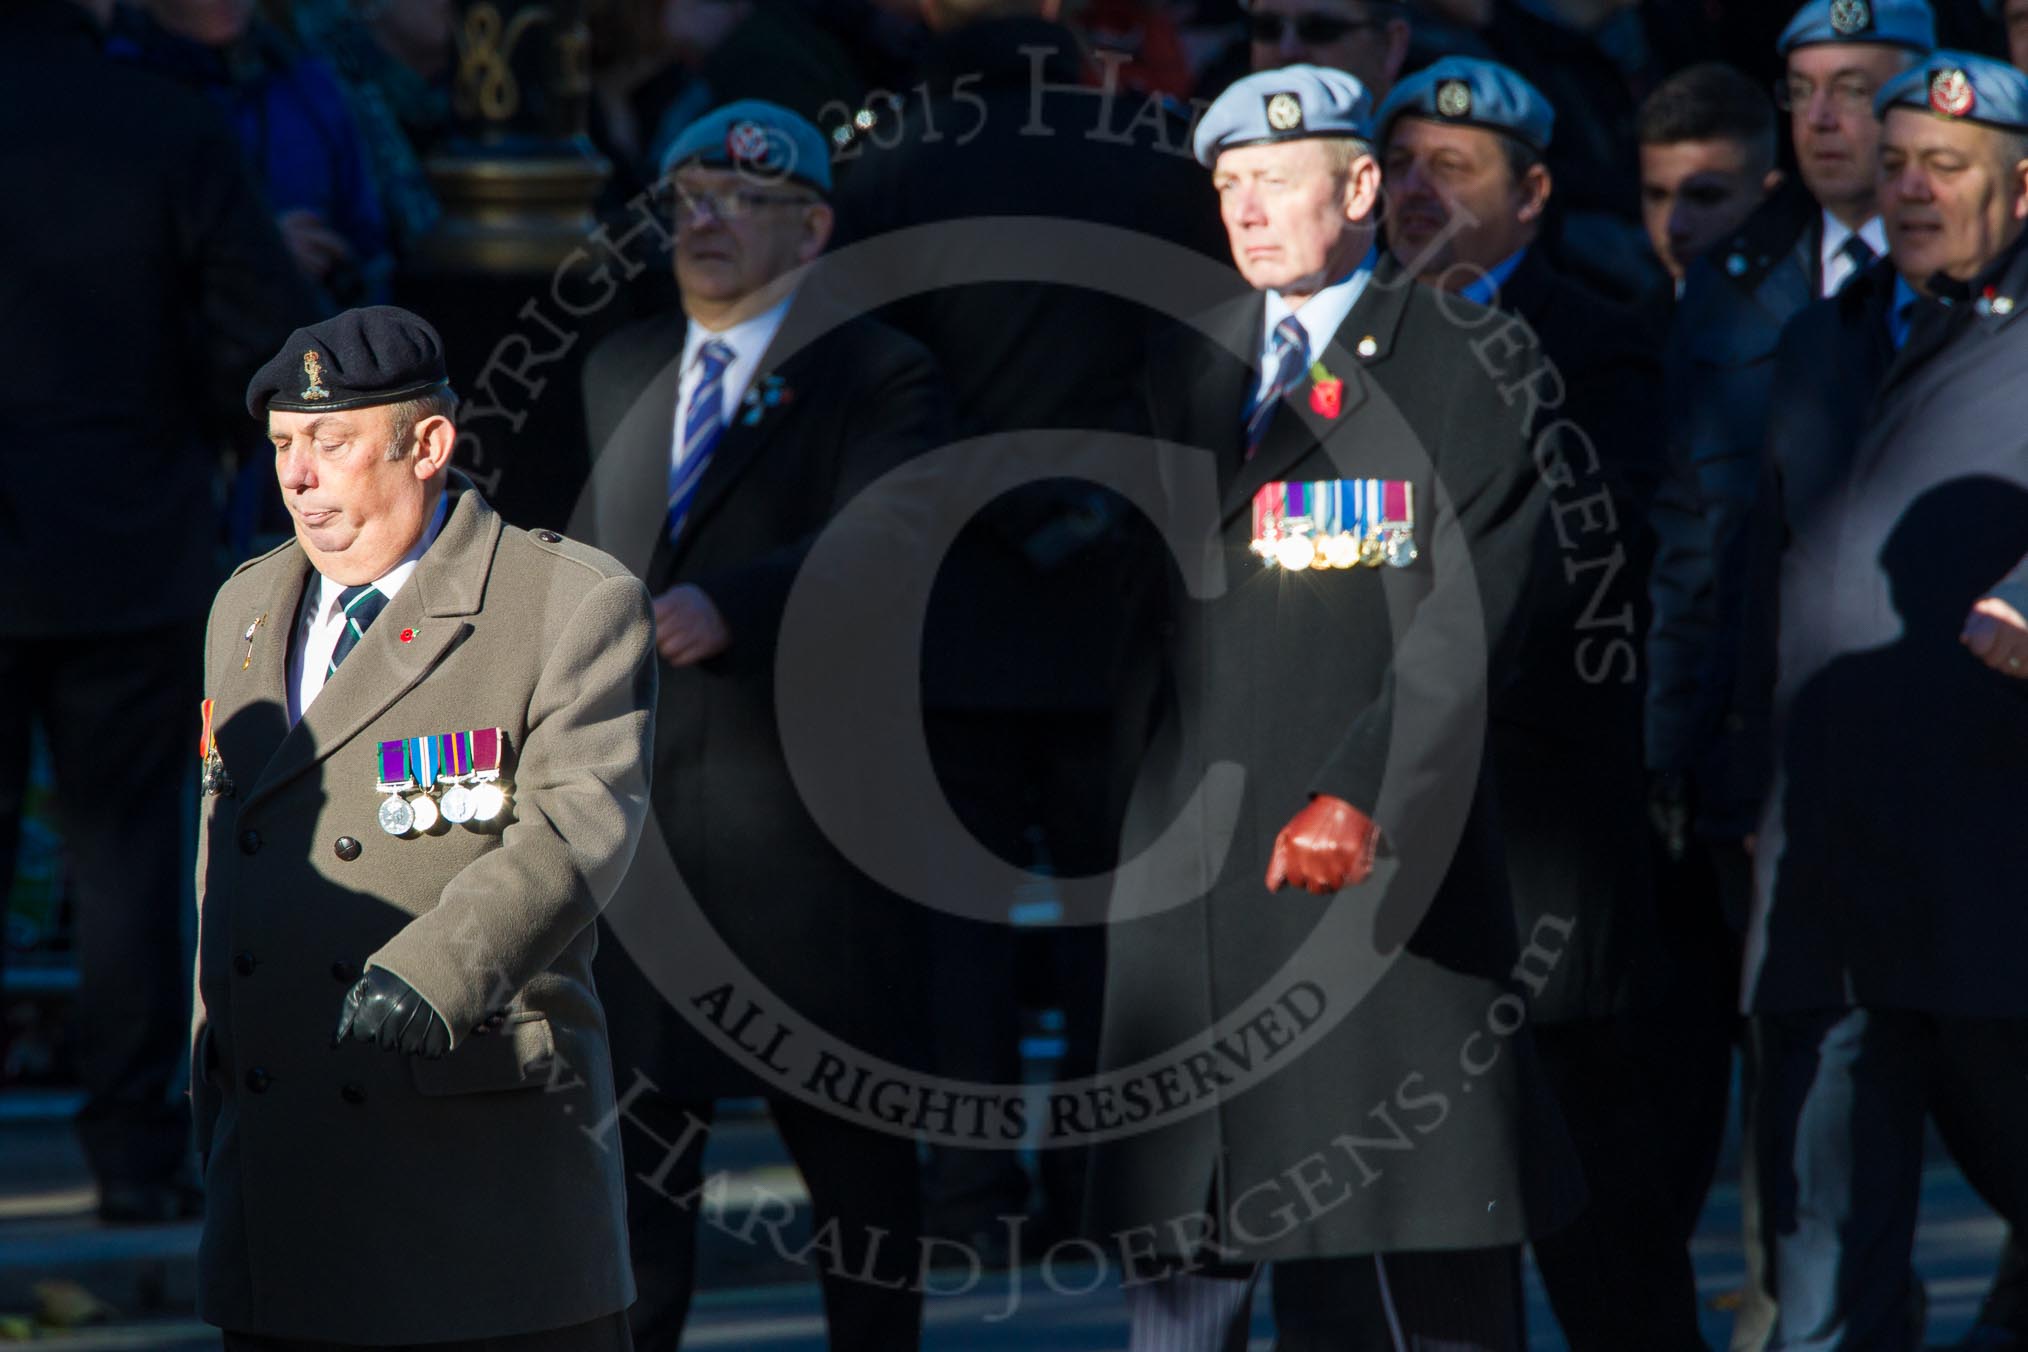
pixel 1849 17
pixel 313 375
pixel 1454 98
pixel 1284 112
pixel 1950 92
pixel 748 143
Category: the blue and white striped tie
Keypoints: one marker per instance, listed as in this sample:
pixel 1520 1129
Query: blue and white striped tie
pixel 703 422
pixel 1291 362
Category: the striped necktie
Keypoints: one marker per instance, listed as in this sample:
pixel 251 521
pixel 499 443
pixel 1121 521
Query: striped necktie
pixel 1291 362
pixel 703 422
pixel 361 606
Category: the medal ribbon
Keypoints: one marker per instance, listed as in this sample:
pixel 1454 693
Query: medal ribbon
pixel 425 759
pixel 486 744
pixel 204 737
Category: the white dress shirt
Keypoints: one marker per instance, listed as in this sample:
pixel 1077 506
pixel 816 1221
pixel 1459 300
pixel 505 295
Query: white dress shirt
pixel 1837 268
pixel 323 620
pixel 1320 317
pixel 749 341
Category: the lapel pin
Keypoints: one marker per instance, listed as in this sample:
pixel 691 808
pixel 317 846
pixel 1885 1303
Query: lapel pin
pixel 1368 346
pixel 249 637
pixel 407 636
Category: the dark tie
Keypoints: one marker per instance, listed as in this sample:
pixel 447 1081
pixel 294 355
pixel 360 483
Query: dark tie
pixel 362 606
pixel 1291 362
pixel 1862 255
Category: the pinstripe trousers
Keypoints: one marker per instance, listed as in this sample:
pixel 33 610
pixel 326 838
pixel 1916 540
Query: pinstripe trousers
pixel 1463 1301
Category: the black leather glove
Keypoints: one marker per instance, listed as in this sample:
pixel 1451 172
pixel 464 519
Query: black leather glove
pixel 383 1008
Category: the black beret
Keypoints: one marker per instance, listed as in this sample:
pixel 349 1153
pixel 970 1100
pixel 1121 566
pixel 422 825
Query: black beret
pixel 378 354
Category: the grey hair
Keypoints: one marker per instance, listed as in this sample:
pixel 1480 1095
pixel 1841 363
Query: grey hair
pixel 405 415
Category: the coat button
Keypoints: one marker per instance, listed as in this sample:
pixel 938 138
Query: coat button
pixel 243 963
pixel 258 1080
pixel 344 973
pixel 346 848
pixel 548 537
pixel 354 1094
pixel 249 842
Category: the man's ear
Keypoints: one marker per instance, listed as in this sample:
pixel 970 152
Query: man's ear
pixel 1362 188
pixel 434 437
pixel 818 222
pixel 1536 186
pixel 1772 181
pixel 2021 190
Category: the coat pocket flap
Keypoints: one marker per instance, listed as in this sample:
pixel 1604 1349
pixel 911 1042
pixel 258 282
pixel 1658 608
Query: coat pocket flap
pixel 518 1056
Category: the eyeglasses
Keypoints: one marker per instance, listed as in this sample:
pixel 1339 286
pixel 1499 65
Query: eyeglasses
pixel 726 204
pixel 1312 30
pixel 1848 93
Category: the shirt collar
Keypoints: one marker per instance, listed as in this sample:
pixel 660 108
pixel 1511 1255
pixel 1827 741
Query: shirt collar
pixel 1485 288
pixel 392 581
pixel 1836 232
pixel 748 339
pixel 1322 313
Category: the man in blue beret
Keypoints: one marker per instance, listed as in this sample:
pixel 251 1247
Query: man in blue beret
pixel 1462 146
pixel 1882 977
pixel 1805 241
pixel 1808 239
pixel 424 764
pixel 1376 518
pixel 725 438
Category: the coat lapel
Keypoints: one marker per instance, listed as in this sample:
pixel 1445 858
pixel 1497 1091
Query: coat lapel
pixel 249 735
pixel 1295 431
pixel 809 321
pixel 449 583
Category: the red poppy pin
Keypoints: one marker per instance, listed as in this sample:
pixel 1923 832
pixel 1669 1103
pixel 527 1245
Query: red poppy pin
pixel 1327 392
pixel 407 636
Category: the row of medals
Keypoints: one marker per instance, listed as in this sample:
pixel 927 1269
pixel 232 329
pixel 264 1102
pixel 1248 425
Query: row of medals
pixel 1342 550
pixel 459 802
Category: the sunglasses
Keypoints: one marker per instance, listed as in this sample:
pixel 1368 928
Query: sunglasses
pixel 1312 30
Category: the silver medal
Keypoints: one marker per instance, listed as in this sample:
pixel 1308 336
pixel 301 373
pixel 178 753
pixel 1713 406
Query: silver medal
pixel 397 818
pixel 1401 550
pixel 456 805
pixel 425 809
pixel 487 801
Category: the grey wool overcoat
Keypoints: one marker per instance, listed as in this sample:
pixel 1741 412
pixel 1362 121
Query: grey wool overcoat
pixel 360 1195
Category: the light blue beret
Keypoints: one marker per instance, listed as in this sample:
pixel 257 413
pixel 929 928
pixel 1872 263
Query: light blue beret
pixel 758 138
pixel 1476 93
pixel 1291 104
pixel 1898 23
pixel 1962 86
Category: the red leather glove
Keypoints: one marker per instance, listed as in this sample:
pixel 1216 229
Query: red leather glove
pixel 1326 846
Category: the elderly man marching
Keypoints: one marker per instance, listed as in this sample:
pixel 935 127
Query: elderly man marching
pixel 425 768
pixel 1374 526
pixel 1883 972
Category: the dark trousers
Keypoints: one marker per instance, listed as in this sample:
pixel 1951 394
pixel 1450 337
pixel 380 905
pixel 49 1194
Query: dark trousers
pixel 863 1188
pixel 1463 1301
pixel 1839 1124
pixel 121 717
pixel 1644 1098
pixel 607 1334
pixel 1031 786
